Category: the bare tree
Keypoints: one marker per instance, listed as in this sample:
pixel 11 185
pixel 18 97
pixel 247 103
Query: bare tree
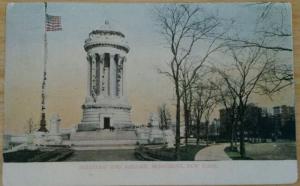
pixel 164 116
pixel 182 27
pixel 254 69
pixel 187 96
pixel 209 109
pixel 272 32
pixel 244 77
pixel 203 102
pixel 30 125
pixel 279 76
pixel 228 100
pixel 272 28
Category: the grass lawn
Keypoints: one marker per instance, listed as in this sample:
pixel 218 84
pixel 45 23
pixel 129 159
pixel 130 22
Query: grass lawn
pixel 187 153
pixel 103 155
pixel 37 155
pixel 266 151
pixel 234 155
pixel 21 155
pixel 272 151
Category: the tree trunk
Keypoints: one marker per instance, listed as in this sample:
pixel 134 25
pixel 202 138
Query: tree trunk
pixel 177 135
pixel 242 141
pixel 232 136
pixel 206 127
pixel 232 130
pixel 235 132
pixel 186 123
pixel 198 130
pixel 165 120
pixel 242 130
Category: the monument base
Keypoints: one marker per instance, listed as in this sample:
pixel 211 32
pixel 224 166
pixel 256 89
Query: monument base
pixel 104 139
pixel 105 116
pixel 88 127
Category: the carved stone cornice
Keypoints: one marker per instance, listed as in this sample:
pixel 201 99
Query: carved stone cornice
pixel 88 46
pixel 107 32
pixel 127 107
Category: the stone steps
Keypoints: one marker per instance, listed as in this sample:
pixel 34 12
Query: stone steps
pixel 104 147
pixel 103 142
pixel 103 135
pixel 103 139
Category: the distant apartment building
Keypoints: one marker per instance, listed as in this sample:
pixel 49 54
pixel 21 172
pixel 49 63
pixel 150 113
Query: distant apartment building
pixel 214 128
pixel 226 121
pixel 259 123
pixel 252 120
pixel 284 113
pixel 284 121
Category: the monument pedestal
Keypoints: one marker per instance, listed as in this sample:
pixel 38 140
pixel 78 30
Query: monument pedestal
pixel 104 139
pixel 109 113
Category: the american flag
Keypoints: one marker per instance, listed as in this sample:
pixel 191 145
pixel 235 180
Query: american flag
pixel 53 23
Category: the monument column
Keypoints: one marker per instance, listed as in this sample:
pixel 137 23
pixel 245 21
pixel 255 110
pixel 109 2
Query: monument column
pixel 101 74
pixel 97 86
pixel 88 75
pixel 124 86
pixel 118 78
pixel 116 59
pixel 112 76
pixel 106 72
pixel 93 77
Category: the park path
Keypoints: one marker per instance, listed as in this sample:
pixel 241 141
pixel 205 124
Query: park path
pixel 212 153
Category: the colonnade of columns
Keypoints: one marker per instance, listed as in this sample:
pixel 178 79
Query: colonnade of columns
pixel 105 75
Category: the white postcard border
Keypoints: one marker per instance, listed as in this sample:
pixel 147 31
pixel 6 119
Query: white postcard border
pixel 150 173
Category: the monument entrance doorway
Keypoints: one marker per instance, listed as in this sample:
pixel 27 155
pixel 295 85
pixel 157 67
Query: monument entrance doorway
pixel 106 123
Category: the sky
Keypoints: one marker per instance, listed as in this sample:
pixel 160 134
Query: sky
pixel 67 70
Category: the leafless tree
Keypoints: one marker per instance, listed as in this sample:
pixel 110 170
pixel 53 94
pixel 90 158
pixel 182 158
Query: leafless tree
pixel 272 28
pixel 187 96
pixel 272 32
pixel 228 100
pixel 203 102
pixel 183 27
pixel 244 77
pixel 164 117
pixel 30 125
pixel 256 68
pixel 208 111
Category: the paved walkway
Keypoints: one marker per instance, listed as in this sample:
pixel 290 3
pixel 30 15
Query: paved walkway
pixel 212 153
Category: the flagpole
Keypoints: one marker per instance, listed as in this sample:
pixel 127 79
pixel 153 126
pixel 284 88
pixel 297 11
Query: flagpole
pixel 43 102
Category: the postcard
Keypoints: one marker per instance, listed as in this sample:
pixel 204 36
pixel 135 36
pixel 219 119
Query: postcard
pixel 149 94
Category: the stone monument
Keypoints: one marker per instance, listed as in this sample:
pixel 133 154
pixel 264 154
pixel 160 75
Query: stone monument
pixel 156 134
pixel 54 124
pixel 106 105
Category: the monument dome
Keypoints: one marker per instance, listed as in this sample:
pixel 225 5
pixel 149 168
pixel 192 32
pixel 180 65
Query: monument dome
pixel 106 36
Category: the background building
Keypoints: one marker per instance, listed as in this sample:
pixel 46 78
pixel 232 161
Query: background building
pixel 284 121
pixel 260 124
